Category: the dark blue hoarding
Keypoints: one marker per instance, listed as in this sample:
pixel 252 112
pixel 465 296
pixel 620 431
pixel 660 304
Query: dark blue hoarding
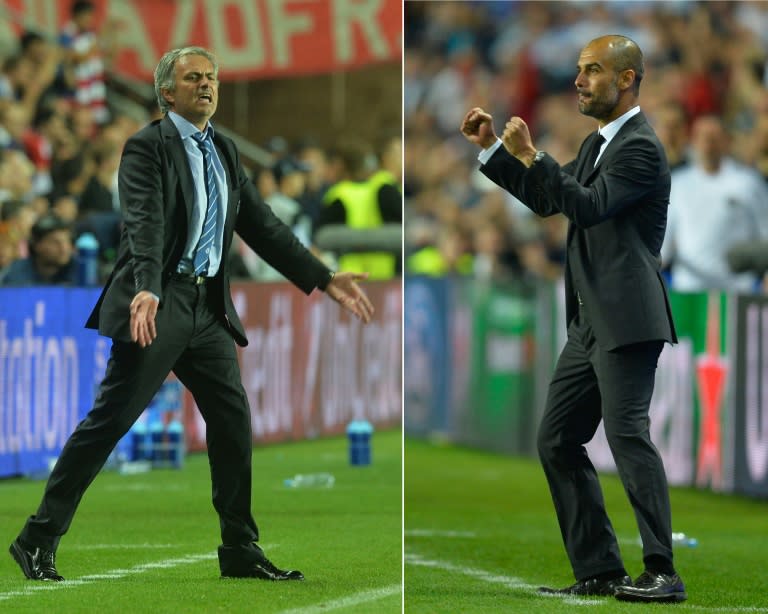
pixel 49 368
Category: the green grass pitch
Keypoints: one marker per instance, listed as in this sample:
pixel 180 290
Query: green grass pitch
pixel 146 543
pixel 481 536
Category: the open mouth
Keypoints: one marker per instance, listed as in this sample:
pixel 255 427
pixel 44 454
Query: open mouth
pixel 206 97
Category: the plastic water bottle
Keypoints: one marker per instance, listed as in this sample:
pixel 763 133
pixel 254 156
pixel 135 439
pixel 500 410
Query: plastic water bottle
pixel 175 435
pixel 87 260
pixel 158 454
pixel 139 443
pixel 681 539
pixel 310 480
pixel 359 436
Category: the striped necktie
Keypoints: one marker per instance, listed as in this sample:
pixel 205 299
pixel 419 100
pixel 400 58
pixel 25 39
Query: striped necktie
pixel 202 251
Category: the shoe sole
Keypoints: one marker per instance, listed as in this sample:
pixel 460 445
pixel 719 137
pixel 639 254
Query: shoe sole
pixel 21 560
pixel 668 598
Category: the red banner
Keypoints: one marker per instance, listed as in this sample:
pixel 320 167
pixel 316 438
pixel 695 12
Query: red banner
pixel 251 38
pixel 310 368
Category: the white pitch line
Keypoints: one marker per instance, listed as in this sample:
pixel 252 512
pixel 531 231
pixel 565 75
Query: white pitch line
pixel 518 584
pixel 121 546
pixel 349 601
pixel 436 533
pixel 114 574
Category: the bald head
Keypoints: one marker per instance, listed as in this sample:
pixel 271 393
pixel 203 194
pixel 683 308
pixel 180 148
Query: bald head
pixel 608 82
pixel 623 54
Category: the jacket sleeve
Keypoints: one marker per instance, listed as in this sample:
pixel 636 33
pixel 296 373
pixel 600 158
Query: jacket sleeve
pixel 141 201
pixel 627 178
pixel 275 242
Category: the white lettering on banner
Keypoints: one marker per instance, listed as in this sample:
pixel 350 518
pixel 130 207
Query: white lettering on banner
pixel 671 415
pixel 756 366
pixel 39 380
pixel 182 25
pixel 283 27
pixel 133 34
pixel 361 372
pixel 339 400
pixel 266 365
pixel 249 55
pixel 348 14
pixel 313 325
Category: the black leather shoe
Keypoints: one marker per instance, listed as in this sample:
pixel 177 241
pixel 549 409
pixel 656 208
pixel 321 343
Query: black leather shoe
pixel 37 564
pixel 653 587
pixel 250 562
pixel 591 586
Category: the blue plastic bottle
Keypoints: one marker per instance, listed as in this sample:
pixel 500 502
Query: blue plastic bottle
pixel 87 260
pixel 359 436
pixel 175 443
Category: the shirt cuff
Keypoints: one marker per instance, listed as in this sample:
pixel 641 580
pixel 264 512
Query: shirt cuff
pixel 486 154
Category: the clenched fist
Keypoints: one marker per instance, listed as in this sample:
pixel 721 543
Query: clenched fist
pixel 477 128
pixel 517 140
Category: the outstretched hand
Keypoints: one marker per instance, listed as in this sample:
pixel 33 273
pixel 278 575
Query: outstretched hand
pixel 143 311
pixel 477 128
pixel 343 289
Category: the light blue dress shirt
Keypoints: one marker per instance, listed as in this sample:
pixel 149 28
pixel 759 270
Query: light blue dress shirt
pixel 195 157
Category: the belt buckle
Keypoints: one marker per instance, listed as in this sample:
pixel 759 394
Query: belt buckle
pixel 199 280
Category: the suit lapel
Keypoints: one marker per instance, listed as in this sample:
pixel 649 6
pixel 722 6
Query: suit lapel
pixel 175 148
pixel 628 128
pixel 584 158
pixel 222 147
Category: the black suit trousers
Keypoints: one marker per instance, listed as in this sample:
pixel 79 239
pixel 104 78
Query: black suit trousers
pixel 193 343
pixel 590 384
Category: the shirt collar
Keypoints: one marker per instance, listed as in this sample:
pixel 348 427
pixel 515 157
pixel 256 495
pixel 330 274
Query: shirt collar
pixel 612 129
pixel 186 128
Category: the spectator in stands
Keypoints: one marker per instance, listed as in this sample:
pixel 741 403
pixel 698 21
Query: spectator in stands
pixel 715 203
pixel 361 201
pixel 290 178
pixel 290 181
pixel 8 249
pixel 85 60
pixel 51 258
pixel 314 157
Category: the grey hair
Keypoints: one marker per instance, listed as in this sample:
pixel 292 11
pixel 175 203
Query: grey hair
pixel 164 73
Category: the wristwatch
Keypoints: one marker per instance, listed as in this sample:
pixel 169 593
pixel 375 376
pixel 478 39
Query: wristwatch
pixel 539 155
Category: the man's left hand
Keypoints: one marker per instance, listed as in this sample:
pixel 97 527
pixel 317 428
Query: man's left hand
pixel 344 290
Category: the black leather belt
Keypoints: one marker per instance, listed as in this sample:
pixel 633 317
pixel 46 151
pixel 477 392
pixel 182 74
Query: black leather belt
pixel 190 278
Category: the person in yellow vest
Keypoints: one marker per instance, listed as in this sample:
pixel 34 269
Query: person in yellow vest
pixel 362 199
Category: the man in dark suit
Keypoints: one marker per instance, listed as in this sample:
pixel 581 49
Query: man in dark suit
pixel 615 195
pixel 167 306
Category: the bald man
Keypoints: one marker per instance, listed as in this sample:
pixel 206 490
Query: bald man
pixel 615 195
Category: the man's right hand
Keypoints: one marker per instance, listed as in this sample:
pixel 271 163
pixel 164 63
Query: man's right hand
pixel 143 312
pixel 477 128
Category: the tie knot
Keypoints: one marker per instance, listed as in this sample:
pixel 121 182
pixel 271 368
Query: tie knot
pixel 202 139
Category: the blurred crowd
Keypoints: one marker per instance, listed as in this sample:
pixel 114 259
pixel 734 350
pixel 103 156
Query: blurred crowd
pixel 59 151
pixel 704 91
pixel 60 148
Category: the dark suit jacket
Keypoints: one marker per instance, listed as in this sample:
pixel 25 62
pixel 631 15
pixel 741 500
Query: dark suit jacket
pixel 156 197
pixel 618 216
